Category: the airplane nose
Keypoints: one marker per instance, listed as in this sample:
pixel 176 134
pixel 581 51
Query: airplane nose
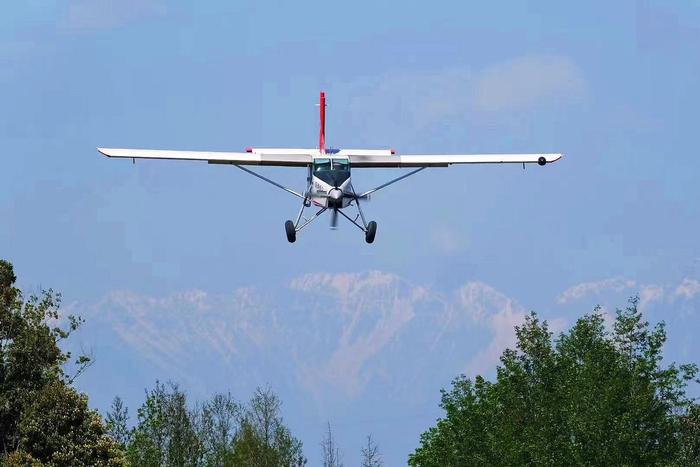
pixel 335 194
pixel 335 198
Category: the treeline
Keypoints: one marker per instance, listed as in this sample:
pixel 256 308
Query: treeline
pixel 218 432
pixel 596 394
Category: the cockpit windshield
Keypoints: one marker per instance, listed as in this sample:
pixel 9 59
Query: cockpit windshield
pixel 333 171
pixel 341 164
pixel 322 165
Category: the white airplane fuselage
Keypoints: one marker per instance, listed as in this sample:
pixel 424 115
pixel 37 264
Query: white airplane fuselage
pixel 330 185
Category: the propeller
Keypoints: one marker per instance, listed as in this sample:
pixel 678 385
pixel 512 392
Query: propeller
pixel 354 195
pixel 334 218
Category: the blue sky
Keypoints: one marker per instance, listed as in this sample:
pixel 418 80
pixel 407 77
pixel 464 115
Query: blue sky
pixel 139 248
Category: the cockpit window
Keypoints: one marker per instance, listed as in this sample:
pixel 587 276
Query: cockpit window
pixel 341 164
pixel 322 165
pixel 332 171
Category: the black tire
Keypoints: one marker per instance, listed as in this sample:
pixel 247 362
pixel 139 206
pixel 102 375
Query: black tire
pixel 291 231
pixel 541 160
pixel 371 232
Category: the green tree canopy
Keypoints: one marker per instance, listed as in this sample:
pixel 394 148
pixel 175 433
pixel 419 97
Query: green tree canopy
pixel 263 439
pixel 218 433
pixel 43 420
pixel 591 397
pixel 165 433
pixel 59 429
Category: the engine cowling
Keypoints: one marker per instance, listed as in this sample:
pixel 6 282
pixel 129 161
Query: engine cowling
pixel 335 198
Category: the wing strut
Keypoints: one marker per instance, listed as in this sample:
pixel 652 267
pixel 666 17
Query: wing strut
pixel 288 190
pixel 366 193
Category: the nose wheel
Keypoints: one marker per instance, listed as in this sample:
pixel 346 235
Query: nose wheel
pixel 371 232
pixel 291 231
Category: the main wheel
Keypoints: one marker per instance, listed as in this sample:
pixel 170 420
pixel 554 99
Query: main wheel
pixel 291 231
pixel 371 232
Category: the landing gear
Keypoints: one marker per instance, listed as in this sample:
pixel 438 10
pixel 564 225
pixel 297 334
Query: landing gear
pixel 368 228
pixel 291 231
pixel 371 232
pixel 291 228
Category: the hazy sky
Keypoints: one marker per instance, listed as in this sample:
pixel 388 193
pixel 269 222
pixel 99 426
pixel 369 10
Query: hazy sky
pixel 183 270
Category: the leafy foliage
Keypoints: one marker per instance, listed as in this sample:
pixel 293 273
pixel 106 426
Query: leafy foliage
pixel 263 439
pixel 117 422
pixel 592 397
pixel 43 420
pixel 59 429
pixel 219 424
pixel 165 434
pixel 220 432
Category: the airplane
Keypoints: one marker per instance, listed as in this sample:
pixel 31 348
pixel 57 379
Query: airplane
pixel 328 183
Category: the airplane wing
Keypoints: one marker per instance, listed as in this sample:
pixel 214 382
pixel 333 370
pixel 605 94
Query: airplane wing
pixel 388 159
pixel 252 156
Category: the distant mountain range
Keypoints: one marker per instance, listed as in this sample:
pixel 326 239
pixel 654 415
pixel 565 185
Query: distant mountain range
pixel 367 351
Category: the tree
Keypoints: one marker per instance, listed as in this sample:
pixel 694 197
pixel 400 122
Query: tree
pixel 42 418
pixel 165 433
pixel 59 429
pixel 117 419
pixel 219 420
pixel 331 453
pixel 370 454
pixel 262 438
pixel 218 433
pixel 689 438
pixel 593 396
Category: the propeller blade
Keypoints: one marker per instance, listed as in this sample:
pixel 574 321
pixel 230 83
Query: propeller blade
pixel 334 219
pixel 361 198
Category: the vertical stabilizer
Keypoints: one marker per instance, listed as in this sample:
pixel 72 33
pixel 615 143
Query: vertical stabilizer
pixel 322 134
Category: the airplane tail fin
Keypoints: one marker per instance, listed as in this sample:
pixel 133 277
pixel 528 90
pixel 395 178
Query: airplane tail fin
pixel 322 133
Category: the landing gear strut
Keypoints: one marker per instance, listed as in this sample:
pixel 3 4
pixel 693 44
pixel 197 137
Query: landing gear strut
pixel 369 229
